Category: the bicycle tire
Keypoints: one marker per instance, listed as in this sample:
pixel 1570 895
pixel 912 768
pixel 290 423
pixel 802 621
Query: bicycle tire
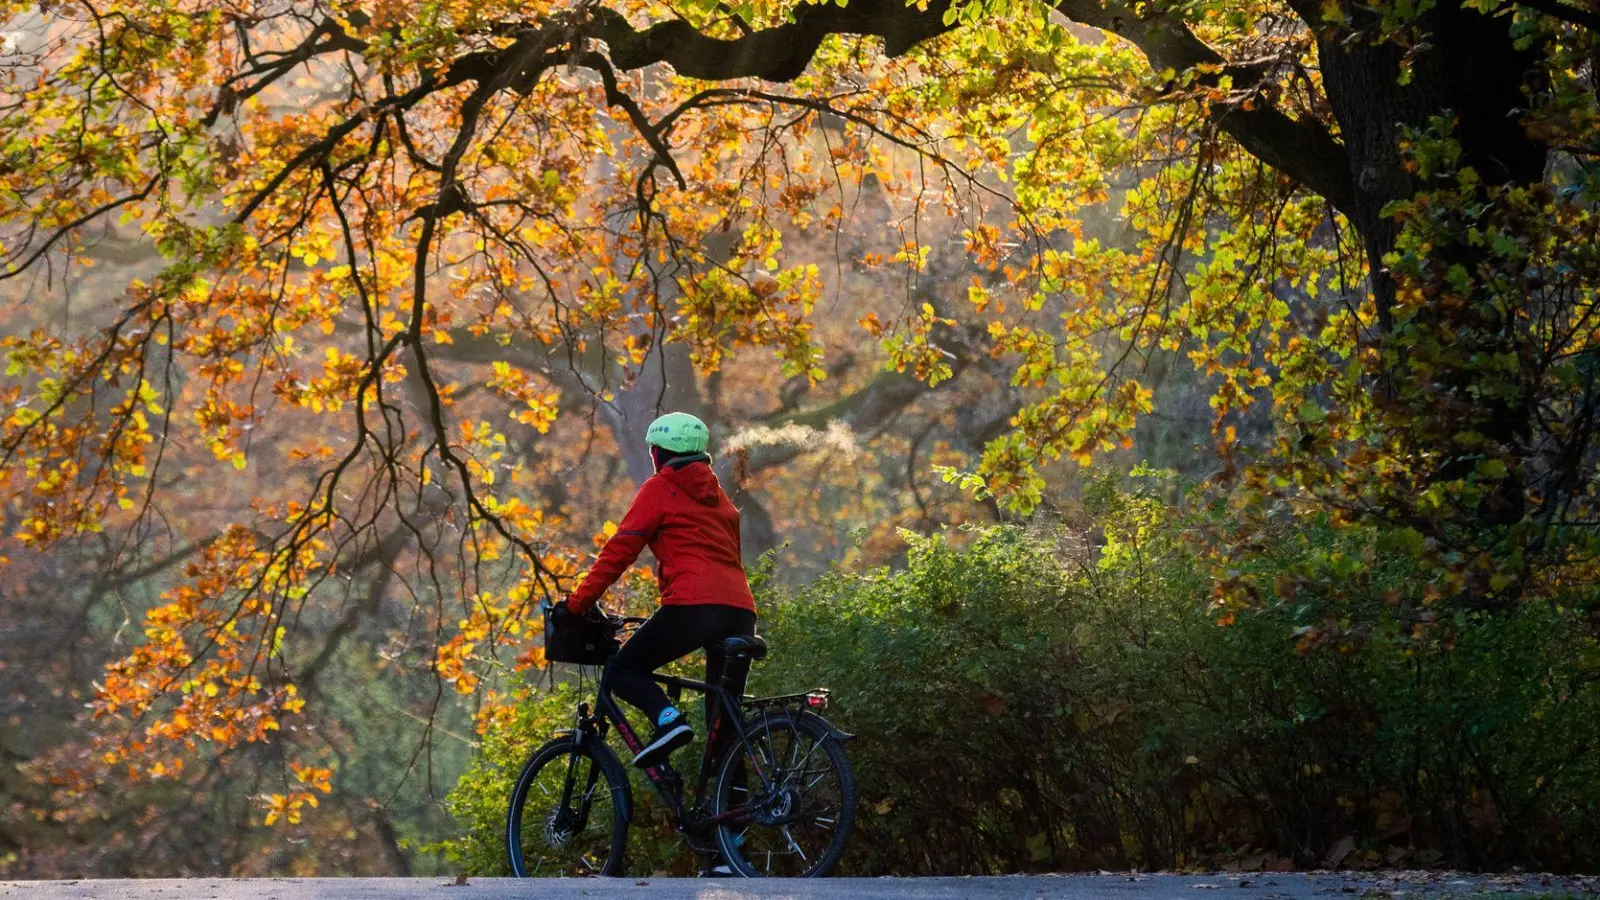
pixel 551 857
pixel 734 840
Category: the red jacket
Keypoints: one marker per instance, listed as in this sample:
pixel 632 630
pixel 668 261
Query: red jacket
pixel 693 530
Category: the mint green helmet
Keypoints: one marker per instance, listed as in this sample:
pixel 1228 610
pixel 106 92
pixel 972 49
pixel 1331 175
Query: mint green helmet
pixel 679 433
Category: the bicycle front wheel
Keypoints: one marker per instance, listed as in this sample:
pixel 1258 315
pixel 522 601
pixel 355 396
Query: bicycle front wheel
pixel 569 813
pixel 797 795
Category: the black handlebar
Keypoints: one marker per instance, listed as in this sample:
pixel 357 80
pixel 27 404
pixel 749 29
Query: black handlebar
pixel 620 620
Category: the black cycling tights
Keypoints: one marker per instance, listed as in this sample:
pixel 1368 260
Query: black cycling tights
pixel 673 633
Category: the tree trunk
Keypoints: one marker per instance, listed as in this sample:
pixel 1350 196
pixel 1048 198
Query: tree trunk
pixel 1468 69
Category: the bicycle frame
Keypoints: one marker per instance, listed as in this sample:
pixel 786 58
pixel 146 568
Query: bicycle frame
pixel 667 781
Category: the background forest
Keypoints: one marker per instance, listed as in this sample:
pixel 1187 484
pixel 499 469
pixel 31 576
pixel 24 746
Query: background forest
pixel 1174 423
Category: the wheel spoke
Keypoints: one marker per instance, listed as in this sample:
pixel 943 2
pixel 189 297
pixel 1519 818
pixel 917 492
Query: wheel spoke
pixel 794 747
pixel 790 837
pixel 803 767
pixel 771 754
pixel 813 782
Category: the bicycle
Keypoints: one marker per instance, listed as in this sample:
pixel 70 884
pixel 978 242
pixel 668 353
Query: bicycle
pixel 782 798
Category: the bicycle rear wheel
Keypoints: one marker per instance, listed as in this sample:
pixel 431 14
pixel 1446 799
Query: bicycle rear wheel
pixel 569 813
pixel 800 795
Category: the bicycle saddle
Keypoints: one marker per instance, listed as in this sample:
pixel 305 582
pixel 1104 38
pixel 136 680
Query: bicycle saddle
pixel 749 646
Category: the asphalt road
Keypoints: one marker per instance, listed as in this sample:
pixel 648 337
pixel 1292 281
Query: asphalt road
pixel 1274 886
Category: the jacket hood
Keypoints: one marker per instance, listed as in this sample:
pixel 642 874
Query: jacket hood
pixel 696 480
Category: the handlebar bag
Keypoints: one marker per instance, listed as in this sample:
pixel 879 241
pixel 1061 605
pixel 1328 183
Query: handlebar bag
pixel 587 640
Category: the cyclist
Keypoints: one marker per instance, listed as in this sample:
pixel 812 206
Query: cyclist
pixel 692 528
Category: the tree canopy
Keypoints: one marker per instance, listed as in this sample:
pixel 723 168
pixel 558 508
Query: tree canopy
pixel 314 306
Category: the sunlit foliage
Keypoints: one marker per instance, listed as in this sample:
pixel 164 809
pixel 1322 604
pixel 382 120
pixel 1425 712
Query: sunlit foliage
pixel 403 247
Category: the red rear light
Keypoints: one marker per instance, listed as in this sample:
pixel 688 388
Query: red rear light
pixel 817 701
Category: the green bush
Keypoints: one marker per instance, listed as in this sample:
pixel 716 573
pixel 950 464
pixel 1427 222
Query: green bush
pixel 1066 699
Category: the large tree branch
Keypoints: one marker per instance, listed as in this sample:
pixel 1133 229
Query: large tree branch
pixel 870 407
pixel 1571 14
pixel 1303 150
pixel 772 54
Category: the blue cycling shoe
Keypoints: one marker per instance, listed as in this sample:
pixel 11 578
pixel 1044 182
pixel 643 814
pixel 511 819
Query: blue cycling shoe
pixel 672 732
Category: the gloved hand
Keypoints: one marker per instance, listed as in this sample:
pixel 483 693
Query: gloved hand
pixel 561 614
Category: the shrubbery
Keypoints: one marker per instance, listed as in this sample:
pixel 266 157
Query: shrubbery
pixel 1066 699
